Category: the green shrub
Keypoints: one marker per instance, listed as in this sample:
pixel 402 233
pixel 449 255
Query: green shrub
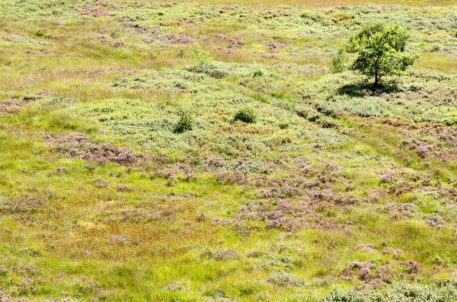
pixel 284 125
pixel 205 65
pixel 339 62
pixel 246 115
pixel 200 55
pixel 339 296
pixel 40 33
pixel 326 122
pixel 281 279
pixel 208 68
pixel 257 73
pixel 185 123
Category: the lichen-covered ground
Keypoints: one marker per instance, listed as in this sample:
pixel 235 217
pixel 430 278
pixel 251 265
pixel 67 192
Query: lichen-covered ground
pixel 333 186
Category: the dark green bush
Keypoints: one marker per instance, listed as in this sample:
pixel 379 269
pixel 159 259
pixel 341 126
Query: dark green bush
pixel 185 123
pixel 257 73
pixel 246 115
pixel 284 125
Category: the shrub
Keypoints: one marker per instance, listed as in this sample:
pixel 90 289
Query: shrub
pixel 284 280
pixel 339 62
pixel 185 123
pixel 220 254
pixel 210 69
pixel 339 296
pixel 246 115
pixel 257 73
pixel 326 122
pixel 200 55
pixel 40 33
pixel 204 64
pixel 283 126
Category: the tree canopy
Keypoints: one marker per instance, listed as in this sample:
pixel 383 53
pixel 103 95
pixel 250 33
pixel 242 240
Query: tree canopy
pixel 380 50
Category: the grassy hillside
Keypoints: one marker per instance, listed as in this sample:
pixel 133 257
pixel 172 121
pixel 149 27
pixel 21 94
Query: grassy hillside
pixel 333 186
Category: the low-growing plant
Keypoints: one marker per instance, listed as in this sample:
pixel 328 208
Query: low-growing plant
pixel 40 33
pixel 338 295
pixel 257 73
pixel 205 64
pixel 339 62
pixel 200 55
pixel 284 280
pixel 185 123
pixel 246 115
pixel 209 69
pixel 397 292
pixel 283 126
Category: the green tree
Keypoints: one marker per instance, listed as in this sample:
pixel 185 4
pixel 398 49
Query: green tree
pixel 380 50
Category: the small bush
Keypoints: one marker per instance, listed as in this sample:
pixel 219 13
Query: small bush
pixel 339 296
pixel 283 126
pixel 40 33
pixel 257 73
pixel 200 55
pixel 220 254
pixel 284 280
pixel 339 62
pixel 185 123
pixel 209 69
pixel 205 64
pixel 326 122
pixel 246 115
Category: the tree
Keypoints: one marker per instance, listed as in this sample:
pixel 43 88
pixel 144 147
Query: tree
pixel 381 51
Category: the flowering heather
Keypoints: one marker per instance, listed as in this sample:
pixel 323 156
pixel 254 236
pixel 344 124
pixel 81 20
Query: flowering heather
pixel 77 145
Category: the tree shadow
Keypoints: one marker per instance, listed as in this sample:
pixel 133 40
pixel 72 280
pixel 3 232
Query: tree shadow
pixel 363 88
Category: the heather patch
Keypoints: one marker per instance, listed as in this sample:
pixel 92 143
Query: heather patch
pixel 21 205
pixel 11 107
pixel 78 145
